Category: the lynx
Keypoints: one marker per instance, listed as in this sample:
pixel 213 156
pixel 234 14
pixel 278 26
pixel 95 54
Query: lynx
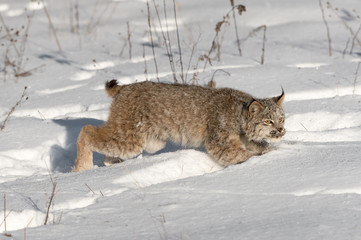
pixel 232 125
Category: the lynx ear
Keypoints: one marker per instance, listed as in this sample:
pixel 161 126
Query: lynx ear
pixel 279 100
pixel 255 107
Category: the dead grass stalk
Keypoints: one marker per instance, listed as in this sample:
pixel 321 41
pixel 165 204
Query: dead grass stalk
pixel 327 28
pixel 23 98
pixel 152 42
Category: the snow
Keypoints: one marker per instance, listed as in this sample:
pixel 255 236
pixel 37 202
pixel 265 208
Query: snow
pixel 309 187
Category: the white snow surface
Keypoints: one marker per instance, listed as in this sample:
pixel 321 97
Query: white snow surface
pixel 309 187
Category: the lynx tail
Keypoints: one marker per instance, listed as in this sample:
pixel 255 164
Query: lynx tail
pixel 112 88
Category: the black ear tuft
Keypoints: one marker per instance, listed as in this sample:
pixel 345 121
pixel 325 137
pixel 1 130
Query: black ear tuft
pixel 279 100
pixel 111 84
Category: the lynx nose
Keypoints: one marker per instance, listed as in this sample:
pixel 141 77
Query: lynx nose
pixel 280 130
pixel 273 132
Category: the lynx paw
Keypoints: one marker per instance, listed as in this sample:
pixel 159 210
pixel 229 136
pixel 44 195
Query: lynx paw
pixel 111 160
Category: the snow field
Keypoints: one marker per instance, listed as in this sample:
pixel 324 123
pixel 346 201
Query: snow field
pixel 307 188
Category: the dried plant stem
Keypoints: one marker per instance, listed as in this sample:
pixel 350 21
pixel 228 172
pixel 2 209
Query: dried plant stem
pixel 327 28
pixel 92 190
pixel 264 43
pixel 236 29
pixel 212 83
pixel 219 70
pixel 129 42
pixel 50 202
pixel 51 25
pixel 14 107
pixel 27 227
pixel 19 66
pixel 191 57
pixel 89 188
pixel 5 212
pixel 8 33
pixel 125 42
pixel 145 65
pixel 178 41
pixel 354 38
pixel 345 23
pixel 77 25
pixel 206 57
pixel 344 51
pixel 6 215
pixel 152 42
pixel 253 32
pixel 355 80
pixel 166 39
pixel 91 26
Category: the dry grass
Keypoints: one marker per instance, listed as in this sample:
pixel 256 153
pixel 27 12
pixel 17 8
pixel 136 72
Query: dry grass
pixel 355 80
pixel 215 46
pixel 152 42
pixel 327 28
pixel 51 25
pixel 24 97
pixel 334 11
pixel 15 41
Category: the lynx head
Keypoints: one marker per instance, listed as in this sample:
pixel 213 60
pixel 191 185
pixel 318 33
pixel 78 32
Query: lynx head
pixel 266 119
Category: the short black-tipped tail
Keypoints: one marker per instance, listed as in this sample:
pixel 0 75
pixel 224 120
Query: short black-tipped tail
pixel 112 88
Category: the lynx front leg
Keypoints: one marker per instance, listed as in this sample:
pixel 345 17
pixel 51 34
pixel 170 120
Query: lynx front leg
pixel 259 148
pixel 228 150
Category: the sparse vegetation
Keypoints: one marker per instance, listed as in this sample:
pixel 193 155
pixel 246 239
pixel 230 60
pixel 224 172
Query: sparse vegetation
pixel 334 11
pixel 216 45
pixel 23 98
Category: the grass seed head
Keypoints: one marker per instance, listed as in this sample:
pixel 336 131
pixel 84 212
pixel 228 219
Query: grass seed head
pixel 241 8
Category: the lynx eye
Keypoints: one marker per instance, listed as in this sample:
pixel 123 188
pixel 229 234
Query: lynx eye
pixel 268 122
pixel 282 120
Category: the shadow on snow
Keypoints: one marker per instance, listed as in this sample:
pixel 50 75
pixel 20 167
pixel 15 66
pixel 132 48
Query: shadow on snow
pixel 63 157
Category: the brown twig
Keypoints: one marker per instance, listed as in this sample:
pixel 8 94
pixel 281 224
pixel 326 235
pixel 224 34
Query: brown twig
pixel 354 38
pixel 166 40
pixel 76 29
pixel 5 212
pixel 152 42
pixel 253 32
pixel 206 57
pixel 344 22
pixel 50 202
pixel 327 28
pixel 129 42
pixel 355 80
pixel 263 43
pixel 236 28
pixel 8 33
pixel 27 227
pixel 178 41
pixel 19 65
pixel 51 25
pixel 344 51
pixel 145 65
pixel 24 95
pixel 191 57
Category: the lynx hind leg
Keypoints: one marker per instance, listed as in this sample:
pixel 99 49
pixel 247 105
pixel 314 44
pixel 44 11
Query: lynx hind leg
pixel 103 140
pixel 228 151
